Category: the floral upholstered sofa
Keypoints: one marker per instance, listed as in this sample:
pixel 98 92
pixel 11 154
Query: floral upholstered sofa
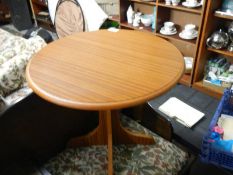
pixel 15 52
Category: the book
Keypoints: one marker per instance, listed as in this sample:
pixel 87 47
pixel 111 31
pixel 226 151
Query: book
pixel 181 112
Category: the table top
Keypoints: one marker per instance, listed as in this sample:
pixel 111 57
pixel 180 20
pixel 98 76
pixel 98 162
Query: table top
pixel 105 70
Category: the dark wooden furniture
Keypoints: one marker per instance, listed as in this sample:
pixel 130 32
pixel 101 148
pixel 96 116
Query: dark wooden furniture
pixel 211 23
pixel 4 12
pixel 100 71
pixel 40 6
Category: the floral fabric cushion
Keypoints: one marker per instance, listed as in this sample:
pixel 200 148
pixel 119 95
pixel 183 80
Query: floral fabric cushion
pixel 80 161
pixel 15 53
pixel 161 158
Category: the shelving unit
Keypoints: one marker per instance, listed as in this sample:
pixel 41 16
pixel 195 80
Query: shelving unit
pixel 152 3
pixel 179 14
pixel 140 27
pixel 182 8
pixel 40 6
pixel 211 23
pixel 176 37
pixel 223 52
pixel 224 16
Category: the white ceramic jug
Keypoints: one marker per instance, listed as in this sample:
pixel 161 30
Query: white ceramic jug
pixel 130 15
pixel 136 19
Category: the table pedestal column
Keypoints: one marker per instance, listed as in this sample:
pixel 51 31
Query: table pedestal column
pixel 108 131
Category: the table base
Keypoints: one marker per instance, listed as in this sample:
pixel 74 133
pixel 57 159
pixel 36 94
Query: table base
pixel 110 131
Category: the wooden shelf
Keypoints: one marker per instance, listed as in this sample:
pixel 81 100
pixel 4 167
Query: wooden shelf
pixel 40 3
pixel 5 15
pixel 208 90
pixel 211 21
pixel 186 79
pixel 177 38
pixel 223 52
pixel 182 8
pixel 228 17
pixel 44 21
pixel 141 27
pixel 114 18
pixel 153 3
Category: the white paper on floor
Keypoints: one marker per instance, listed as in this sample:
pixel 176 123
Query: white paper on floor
pixel 181 112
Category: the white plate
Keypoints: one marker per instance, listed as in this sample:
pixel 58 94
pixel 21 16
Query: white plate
pixel 173 32
pixel 186 4
pixel 183 36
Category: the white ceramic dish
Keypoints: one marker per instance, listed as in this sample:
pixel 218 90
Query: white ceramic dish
pixel 146 19
pixel 188 37
pixel 186 4
pixel 173 32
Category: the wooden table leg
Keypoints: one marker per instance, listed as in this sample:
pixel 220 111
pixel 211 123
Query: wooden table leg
pixel 123 136
pixel 102 135
pixel 99 136
pixel 109 130
pixel 108 117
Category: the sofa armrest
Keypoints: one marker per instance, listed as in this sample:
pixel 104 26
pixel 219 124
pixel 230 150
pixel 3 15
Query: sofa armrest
pixel 15 97
pixel 15 52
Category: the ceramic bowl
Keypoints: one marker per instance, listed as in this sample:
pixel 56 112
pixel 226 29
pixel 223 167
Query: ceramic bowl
pixel 175 2
pixel 146 19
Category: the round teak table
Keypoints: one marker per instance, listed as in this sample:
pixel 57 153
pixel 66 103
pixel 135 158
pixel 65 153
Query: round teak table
pixel 105 71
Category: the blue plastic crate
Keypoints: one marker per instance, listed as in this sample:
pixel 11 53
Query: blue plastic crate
pixel 210 154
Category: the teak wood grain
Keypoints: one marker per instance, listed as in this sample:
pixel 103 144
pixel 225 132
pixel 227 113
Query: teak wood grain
pixel 105 71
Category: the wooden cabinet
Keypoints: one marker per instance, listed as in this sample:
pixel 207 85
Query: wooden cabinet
pixel 42 17
pixel 4 12
pixel 180 15
pixel 211 23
